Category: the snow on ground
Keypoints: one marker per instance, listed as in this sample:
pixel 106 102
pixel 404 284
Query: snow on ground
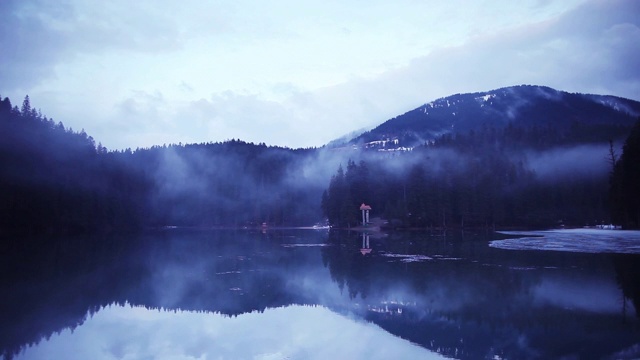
pixel 407 258
pixel 573 240
pixel 485 98
pixel 304 245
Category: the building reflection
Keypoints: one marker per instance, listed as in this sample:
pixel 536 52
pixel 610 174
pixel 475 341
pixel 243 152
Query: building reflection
pixel 366 247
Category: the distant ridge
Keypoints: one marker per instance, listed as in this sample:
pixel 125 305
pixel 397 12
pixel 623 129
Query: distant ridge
pixel 345 139
pixel 523 106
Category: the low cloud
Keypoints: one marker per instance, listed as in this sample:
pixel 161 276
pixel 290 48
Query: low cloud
pixel 578 162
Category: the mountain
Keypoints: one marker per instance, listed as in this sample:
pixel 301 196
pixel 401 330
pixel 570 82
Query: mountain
pixel 523 106
pixel 523 156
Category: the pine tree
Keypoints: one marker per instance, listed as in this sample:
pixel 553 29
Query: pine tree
pixel 25 110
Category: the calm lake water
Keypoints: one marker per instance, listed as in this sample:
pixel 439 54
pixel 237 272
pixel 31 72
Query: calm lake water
pixel 310 294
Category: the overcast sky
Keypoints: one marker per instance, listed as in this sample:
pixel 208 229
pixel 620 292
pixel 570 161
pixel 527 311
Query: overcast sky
pixel 297 73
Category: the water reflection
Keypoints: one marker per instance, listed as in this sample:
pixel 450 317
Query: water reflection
pixel 366 247
pixel 451 294
pixel 303 332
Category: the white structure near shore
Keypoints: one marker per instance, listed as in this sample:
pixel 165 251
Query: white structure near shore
pixel 365 213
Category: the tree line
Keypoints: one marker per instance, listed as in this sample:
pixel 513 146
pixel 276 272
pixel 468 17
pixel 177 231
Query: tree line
pixel 54 179
pixel 57 180
pixel 485 178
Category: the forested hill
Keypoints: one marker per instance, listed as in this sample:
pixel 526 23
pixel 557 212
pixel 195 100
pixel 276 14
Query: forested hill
pixel 56 180
pixel 521 106
pixel 518 156
pixel 515 176
pixel 53 179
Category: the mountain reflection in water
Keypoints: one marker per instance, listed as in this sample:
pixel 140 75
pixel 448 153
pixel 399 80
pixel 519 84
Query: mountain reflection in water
pixel 313 294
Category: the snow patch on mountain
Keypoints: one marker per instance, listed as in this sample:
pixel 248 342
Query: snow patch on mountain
pixel 615 103
pixel 386 145
pixel 483 99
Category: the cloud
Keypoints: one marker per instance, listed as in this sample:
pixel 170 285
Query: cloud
pixel 304 119
pixel 289 74
pixel 590 49
pixel 241 116
pixel 30 49
pixel 578 51
pixel 221 117
pixel 39 35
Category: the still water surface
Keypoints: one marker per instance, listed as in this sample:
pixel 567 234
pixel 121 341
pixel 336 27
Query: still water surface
pixel 308 294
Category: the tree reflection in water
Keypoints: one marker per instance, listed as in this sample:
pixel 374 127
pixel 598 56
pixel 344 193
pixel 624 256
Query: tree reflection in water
pixel 449 293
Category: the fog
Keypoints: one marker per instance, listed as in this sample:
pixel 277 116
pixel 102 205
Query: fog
pixel 585 161
pixel 590 294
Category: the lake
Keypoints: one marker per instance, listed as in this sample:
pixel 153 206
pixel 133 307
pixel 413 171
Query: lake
pixel 315 294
